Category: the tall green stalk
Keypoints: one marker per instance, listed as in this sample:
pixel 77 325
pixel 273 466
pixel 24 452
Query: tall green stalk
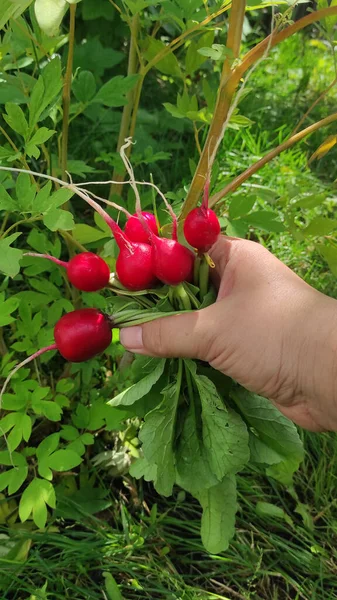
pixel 128 109
pixel 66 93
pixel 225 95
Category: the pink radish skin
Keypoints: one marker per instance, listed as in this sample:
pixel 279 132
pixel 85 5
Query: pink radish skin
pixel 81 334
pixel 86 271
pixel 172 262
pixel 134 267
pixel 135 230
pixel 202 228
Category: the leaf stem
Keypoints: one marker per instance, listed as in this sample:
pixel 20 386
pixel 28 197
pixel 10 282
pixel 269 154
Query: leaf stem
pixel 66 92
pixel 57 261
pixel 224 98
pixel 237 181
pixel 203 277
pixel 127 110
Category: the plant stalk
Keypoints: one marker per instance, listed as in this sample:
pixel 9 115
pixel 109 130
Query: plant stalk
pixel 174 45
pixel 66 93
pixel 233 185
pixel 128 108
pixel 225 95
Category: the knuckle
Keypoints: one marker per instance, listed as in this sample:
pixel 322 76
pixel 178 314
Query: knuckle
pixel 154 337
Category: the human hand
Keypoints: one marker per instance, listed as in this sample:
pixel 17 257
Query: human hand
pixel 268 330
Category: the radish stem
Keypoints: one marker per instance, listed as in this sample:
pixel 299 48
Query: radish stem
pixel 57 261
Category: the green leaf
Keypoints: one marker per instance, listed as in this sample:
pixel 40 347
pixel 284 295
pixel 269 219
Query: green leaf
pixel 331 21
pixel 142 387
pixel 237 228
pixel 20 426
pixel 85 234
pixel 50 410
pixel 59 219
pixel 168 65
pixel 111 587
pixel 7 307
pixel 50 458
pixel 64 460
pixel 16 119
pixel 194 60
pixel 216 52
pixel 91 9
pixel 266 220
pixel 306 200
pixel 157 437
pixel 142 468
pixel 40 137
pixel 10 257
pixel 25 192
pixel 194 473
pixel 240 205
pixel 34 501
pixel 14 477
pixel 9 9
pixel 225 435
pixel 6 201
pixel 41 202
pixel 92 56
pixel 218 517
pixel 274 438
pixel 329 254
pixel 267 509
pixel 284 471
pixel 84 86
pixel 47 87
pixel 113 93
pixel 137 6
pixel 320 226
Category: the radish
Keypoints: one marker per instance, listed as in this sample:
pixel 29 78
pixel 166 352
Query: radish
pixel 134 263
pixel 134 266
pixel 172 262
pixel 86 271
pixel 201 226
pixel 79 335
pixel 135 230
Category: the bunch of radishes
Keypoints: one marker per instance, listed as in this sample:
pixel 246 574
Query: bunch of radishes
pixel 145 261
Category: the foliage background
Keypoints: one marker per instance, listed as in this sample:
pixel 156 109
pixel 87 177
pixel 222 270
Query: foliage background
pixel 105 526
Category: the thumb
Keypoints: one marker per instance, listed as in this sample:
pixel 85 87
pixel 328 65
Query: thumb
pixel 185 335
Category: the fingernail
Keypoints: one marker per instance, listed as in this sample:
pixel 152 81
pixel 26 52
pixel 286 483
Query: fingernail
pixel 132 338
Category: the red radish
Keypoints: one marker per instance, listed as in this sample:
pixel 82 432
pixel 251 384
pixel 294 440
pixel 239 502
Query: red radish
pixel 201 226
pixel 79 335
pixel 172 262
pixel 86 271
pixel 135 229
pixel 133 267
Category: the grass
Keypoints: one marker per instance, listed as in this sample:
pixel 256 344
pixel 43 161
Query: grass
pixel 152 547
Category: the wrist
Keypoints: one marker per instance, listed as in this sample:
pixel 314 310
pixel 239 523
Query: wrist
pixel 318 361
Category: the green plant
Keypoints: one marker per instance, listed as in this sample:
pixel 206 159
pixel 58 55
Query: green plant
pixel 62 98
